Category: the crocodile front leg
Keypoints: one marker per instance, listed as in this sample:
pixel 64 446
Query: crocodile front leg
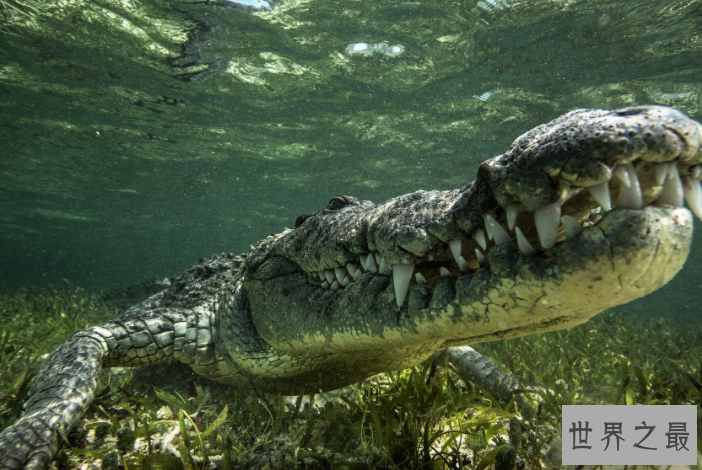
pixel 66 384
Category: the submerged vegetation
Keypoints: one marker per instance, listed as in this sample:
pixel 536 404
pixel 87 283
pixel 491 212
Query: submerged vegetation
pixel 424 417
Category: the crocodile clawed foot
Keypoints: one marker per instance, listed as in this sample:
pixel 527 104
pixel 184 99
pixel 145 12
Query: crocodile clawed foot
pixel 476 368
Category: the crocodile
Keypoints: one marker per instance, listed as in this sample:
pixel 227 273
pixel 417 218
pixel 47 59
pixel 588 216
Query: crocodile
pixel 578 215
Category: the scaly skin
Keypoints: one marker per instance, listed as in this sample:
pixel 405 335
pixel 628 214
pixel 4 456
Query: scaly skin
pixel 268 318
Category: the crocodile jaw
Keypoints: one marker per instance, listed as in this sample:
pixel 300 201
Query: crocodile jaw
pixel 626 255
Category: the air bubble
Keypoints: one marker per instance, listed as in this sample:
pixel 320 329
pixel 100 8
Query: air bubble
pixel 365 48
pixel 359 48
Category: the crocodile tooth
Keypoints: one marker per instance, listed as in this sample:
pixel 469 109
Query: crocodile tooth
pixel 455 246
pixel 401 277
pixel 672 166
pixel 512 210
pixel 488 230
pixel 334 285
pixel 345 282
pixel 548 219
pixel 672 193
pixel 481 257
pixel 357 274
pixel 479 237
pixel 600 193
pixel 339 273
pixel 329 276
pixel 351 269
pixel 498 233
pixel 693 194
pixel 430 255
pixel 444 272
pixel 419 278
pixel 377 258
pixel 325 285
pixel 462 265
pixel 571 226
pixel 630 197
pixel 524 246
pixel 370 265
pixel 384 269
pixel 661 170
pixel 622 175
pixel 696 171
pixel 321 275
pixel 363 259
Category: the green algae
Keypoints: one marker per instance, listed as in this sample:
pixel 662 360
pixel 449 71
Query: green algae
pixel 424 417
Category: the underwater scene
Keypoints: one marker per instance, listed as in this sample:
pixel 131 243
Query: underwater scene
pixel 270 223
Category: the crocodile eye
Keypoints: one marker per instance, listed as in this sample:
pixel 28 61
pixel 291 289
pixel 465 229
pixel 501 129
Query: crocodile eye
pixel 336 203
pixel 339 202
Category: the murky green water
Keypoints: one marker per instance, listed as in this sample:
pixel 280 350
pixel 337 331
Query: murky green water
pixel 137 136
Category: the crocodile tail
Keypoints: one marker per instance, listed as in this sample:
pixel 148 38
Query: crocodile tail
pixel 67 382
